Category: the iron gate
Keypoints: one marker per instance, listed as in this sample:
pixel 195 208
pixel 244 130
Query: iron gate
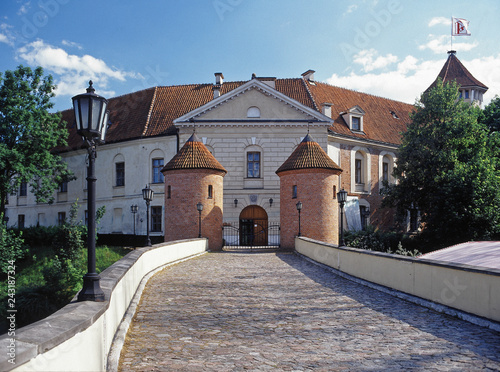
pixel 251 234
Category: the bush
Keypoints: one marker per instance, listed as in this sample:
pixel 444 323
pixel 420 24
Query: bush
pixel 376 240
pixel 12 246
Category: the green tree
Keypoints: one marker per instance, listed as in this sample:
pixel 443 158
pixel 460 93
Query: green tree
pixel 491 115
pixel 446 169
pixel 29 134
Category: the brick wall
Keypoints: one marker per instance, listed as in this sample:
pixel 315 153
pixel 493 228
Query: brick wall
pixel 187 188
pixel 320 211
pixel 383 218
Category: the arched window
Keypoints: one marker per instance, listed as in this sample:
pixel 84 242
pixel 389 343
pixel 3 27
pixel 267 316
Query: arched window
pixel 253 112
pixel 386 168
pixel 360 170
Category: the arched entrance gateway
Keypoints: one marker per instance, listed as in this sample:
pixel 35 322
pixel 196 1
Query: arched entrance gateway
pixel 253 226
pixel 253 229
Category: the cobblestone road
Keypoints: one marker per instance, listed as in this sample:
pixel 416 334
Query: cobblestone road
pixel 278 312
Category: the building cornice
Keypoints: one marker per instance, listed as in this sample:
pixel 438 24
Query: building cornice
pixel 361 142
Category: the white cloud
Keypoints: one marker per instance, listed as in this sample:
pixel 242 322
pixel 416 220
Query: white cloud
pixel 351 8
pixel 442 43
pixel 410 77
pixel 72 44
pixel 24 8
pixel 74 71
pixel 370 60
pixel 4 39
pixel 439 21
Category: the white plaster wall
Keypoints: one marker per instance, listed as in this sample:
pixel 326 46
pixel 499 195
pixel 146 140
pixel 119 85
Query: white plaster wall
pixel 136 154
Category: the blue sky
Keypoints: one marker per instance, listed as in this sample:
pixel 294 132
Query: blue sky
pixel 390 48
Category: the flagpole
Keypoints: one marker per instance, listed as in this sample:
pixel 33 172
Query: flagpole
pixel 451 34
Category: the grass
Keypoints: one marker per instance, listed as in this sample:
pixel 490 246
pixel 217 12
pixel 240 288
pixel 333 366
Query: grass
pixel 35 297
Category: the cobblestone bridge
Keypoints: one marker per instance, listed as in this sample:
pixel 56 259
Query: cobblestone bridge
pixel 279 312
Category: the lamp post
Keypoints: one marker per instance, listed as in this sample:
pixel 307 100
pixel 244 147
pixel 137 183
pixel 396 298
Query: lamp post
pixel 199 206
pixel 342 197
pixel 299 208
pixel 134 208
pixel 91 121
pixel 147 195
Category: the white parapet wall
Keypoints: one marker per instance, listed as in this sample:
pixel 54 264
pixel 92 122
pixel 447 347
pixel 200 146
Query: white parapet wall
pixel 79 336
pixel 469 289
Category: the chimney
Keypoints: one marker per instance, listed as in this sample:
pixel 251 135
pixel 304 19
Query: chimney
pixel 309 75
pixel 326 108
pixel 219 80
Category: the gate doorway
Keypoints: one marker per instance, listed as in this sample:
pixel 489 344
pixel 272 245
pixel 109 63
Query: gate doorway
pixel 253 226
pixel 253 230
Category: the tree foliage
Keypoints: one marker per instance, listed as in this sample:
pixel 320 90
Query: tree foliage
pixel 446 169
pixel 28 134
pixel 491 115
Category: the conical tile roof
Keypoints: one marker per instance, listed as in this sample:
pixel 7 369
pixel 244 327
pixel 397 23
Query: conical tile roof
pixel 309 154
pixel 453 69
pixel 193 155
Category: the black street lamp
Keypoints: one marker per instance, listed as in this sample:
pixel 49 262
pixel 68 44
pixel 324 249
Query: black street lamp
pixel 199 206
pixel 91 123
pixel 342 197
pixel 147 195
pixel 299 208
pixel 134 208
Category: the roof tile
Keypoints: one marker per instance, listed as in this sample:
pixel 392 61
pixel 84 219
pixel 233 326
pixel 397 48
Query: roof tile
pixel 307 155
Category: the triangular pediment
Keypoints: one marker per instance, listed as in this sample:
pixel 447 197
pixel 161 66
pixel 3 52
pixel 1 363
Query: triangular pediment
pixel 253 102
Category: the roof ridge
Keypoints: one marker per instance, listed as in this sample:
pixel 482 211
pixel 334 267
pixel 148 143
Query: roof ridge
pixel 310 94
pixel 146 125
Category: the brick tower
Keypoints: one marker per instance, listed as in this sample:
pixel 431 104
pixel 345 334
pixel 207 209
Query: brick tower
pixel 192 176
pixel 310 176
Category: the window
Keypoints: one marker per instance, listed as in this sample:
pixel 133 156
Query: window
pixel 63 187
pixel 294 192
pixel 359 171
pixel 120 174
pixel 385 171
pixel 253 112
pixel 365 214
pixel 156 219
pixel 157 167
pixel 210 191
pixel 20 221
pixel 466 94
pixel 334 191
pixel 356 123
pixel 354 118
pixel 253 165
pixel 61 218
pixel 169 192
pixel 23 189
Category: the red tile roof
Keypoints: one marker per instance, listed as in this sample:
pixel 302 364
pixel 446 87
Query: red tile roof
pixel 151 112
pixel 384 119
pixel 453 69
pixel 307 155
pixel 193 155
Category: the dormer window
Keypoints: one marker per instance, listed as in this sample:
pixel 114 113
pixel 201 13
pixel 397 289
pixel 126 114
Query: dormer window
pixel 356 123
pixel 354 118
pixel 253 112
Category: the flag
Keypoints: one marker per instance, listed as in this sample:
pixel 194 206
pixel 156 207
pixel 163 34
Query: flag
pixel 459 27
